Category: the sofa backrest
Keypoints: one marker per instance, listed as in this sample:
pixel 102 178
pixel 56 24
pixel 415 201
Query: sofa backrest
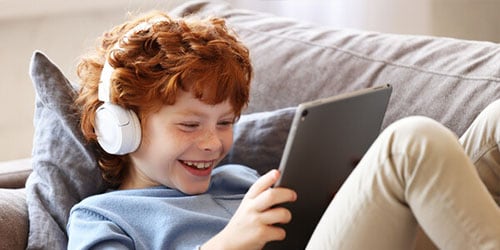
pixel 449 80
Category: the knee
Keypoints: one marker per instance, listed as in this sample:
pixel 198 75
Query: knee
pixel 491 114
pixel 419 133
pixel 494 106
pixel 419 126
pixel 415 145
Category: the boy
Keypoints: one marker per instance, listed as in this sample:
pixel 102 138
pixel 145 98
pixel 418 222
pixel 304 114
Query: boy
pixel 178 85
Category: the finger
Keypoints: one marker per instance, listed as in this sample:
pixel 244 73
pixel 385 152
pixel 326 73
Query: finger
pixel 274 196
pixel 263 183
pixel 271 233
pixel 277 215
pixel 276 233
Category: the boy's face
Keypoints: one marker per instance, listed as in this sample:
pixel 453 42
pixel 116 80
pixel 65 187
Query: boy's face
pixel 181 145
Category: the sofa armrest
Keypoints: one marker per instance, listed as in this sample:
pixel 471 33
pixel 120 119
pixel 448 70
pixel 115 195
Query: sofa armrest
pixel 13 219
pixel 13 174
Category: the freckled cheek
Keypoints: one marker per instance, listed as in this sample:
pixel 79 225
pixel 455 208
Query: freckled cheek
pixel 163 141
pixel 182 140
pixel 179 142
pixel 227 141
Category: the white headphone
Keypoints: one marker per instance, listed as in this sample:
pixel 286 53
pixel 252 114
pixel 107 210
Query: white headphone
pixel 118 129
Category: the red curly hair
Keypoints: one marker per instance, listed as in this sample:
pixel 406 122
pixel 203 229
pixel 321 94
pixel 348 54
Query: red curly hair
pixel 152 63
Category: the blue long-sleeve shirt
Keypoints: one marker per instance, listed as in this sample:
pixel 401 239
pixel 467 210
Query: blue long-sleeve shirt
pixel 158 217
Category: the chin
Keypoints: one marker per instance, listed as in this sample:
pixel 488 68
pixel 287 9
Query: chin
pixel 195 189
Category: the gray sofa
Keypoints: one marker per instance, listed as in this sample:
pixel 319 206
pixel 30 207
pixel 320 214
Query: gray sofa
pixel 449 80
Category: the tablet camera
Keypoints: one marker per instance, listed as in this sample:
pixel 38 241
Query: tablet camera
pixel 303 115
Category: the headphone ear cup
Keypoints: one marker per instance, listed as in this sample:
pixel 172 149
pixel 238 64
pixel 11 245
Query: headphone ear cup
pixel 118 130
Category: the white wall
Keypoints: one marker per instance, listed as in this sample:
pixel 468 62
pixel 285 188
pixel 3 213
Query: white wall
pixel 467 19
pixel 63 29
pixel 63 35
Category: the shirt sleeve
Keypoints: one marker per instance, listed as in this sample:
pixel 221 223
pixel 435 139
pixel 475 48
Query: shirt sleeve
pixel 89 230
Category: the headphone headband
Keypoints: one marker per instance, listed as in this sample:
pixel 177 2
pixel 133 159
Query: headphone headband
pixel 104 88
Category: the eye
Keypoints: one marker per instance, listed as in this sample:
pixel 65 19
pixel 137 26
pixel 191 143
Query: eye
pixel 188 126
pixel 226 123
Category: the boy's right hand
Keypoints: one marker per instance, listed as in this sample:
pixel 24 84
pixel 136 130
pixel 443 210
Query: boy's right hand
pixel 254 223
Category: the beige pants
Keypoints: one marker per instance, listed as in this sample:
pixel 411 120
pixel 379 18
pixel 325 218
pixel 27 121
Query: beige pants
pixel 418 173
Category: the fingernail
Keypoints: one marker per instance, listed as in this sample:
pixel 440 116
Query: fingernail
pixel 275 172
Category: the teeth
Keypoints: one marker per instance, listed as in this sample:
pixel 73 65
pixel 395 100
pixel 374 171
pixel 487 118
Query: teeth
pixel 198 165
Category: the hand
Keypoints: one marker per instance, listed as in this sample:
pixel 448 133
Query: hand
pixel 253 224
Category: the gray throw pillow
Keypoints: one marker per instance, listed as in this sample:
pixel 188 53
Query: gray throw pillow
pixel 64 167
pixel 259 139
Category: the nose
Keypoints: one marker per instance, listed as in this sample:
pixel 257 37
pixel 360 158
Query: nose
pixel 210 141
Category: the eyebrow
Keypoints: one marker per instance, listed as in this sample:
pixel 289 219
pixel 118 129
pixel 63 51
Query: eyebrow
pixel 197 113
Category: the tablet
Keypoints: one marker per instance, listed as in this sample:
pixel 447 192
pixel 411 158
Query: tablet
pixel 327 139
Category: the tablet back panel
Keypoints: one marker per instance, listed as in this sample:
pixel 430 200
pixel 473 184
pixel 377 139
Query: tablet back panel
pixel 327 139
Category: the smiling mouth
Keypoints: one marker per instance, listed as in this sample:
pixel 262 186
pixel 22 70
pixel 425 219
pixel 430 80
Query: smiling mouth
pixel 199 165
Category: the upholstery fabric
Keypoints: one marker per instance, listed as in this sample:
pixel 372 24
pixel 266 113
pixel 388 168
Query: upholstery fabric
pixel 13 174
pixel 13 219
